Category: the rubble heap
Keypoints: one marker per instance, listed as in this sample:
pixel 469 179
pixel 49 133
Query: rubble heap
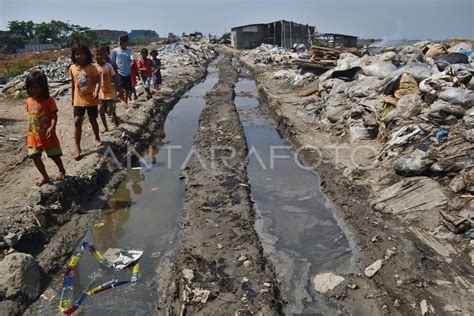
pixel 269 54
pixel 56 70
pixel 185 53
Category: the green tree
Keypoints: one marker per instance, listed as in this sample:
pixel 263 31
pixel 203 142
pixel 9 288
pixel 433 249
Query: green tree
pixel 84 36
pixel 26 29
pixel 9 43
pixel 225 36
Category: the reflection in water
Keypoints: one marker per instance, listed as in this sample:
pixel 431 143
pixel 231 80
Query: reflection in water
pixel 143 214
pixel 298 230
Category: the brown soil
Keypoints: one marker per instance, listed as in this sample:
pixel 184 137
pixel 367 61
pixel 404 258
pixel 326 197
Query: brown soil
pixel 218 241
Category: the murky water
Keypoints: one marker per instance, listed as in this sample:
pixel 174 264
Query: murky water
pixel 298 230
pixel 143 214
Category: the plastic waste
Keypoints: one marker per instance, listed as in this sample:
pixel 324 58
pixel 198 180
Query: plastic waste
pixel 416 164
pixel 436 50
pixel 348 60
pixel 460 48
pixel 445 60
pixel 441 134
pixel 380 69
pixel 458 96
pixel 349 74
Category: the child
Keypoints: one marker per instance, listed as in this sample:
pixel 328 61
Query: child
pixel 145 66
pixel 134 74
pixel 106 52
pixel 157 70
pixel 42 120
pixel 85 90
pixel 107 79
pixel 122 55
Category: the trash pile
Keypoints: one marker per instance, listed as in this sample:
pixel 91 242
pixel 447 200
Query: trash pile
pixel 56 70
pixel 419 102
pixel 269 54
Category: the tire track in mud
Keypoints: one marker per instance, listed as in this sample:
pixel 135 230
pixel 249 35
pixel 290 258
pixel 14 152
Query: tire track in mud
pixel 221 266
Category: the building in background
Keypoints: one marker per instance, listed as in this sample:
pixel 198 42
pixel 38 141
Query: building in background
pixel 336 40
pixel 145 33
pixel 111 35
pixel 280 33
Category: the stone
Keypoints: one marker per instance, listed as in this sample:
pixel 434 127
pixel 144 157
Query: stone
pixel 426 308
pixel 11 239
pixel 188 274
pixel 325 282
pixel 371 270
pixel 200 295
pixel 19 275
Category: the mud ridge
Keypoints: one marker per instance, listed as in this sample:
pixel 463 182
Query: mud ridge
pixel 220 268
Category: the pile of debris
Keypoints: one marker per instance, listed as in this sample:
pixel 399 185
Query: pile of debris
pixel 419 102
pixel 56 70
pixel 322 58
pixel 269 54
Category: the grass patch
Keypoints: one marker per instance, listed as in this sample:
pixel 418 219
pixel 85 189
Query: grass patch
pixel 14 68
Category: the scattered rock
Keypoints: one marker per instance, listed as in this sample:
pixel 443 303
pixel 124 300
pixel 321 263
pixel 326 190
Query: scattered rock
pixel 371 270
pixel 325 282
pixel 188 274
pixel 200 295
pixel 426 308
pixel 11 239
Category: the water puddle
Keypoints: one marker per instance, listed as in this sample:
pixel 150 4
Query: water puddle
pixel 299 232
pixel 143 214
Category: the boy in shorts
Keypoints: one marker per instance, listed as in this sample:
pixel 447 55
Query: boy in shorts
pixel 107 80
pixel 122 56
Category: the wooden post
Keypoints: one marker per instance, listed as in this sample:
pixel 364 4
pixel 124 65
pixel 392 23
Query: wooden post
pixel 281 34
pixel 274 34
pixel 291 35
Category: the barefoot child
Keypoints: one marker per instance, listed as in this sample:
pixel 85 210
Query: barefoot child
pixel 157 70
pixel 145 66
pixel 42 120
pixel 85 90
pixel 107 79
pixel 122 55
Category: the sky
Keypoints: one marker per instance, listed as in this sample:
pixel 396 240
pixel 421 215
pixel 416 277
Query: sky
pixel 385 19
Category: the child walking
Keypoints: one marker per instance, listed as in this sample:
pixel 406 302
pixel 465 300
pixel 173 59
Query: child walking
pixel 107 79
pixel 42 120
pixel 85 90
pixel 122 56
pixel 157 70
pixel 133 77
pixel 145 66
